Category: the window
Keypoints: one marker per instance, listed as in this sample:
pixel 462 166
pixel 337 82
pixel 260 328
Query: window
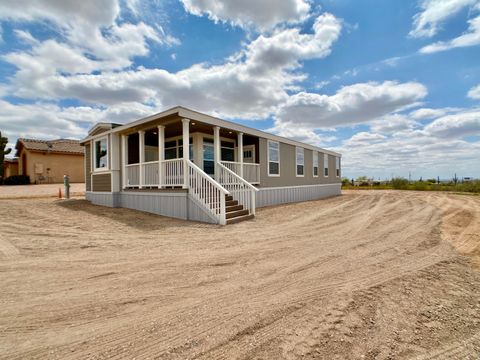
pixel 247 154
pixel 170 150
pixel 273 158
pixel 208 156
pixel 227 149
pixel 325 165
pixel 315 164
pixel 101 154
pixel 300 161
pixel 337 166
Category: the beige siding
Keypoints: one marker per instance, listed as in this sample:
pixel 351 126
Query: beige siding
pixel 101 182
pixel 88 168
pixel 288 168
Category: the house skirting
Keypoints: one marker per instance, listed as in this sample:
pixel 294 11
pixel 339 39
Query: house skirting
pixel 181 206
pixel 172 204
pixel 289 194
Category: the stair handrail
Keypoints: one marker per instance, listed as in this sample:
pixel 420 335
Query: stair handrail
pixel 238 186
pixel 207 191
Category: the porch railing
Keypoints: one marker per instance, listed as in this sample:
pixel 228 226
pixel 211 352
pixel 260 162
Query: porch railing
pixel 133 175
pixel 240 189
pixel 251 171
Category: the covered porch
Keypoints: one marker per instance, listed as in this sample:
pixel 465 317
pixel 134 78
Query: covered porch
pixel 154 156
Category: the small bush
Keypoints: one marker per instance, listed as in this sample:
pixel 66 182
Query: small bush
pixel 400 183
pixel 17 180
pixel 420 185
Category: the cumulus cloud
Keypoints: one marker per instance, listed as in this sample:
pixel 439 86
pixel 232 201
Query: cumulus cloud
pixel 456 125
pixel 470 38
pixel 352 104
pixel 474 92
pixel 91 33
pixel 437 147
pixel 433 13
pixel 250 84
pixel 263 15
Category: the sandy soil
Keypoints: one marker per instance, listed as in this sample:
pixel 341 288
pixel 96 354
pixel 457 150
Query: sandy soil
pixel 368 275
pixel 43 190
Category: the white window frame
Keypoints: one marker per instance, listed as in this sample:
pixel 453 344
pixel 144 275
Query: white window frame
pixel 94 152
pixel 325 159
pixel 337 166
pixel 314 163
pixel 297 149
pixel 268 157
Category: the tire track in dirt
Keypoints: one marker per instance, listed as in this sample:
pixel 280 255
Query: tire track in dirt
pixel 250 290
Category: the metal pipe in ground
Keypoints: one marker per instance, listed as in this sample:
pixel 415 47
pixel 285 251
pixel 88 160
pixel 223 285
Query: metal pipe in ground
pixel 66 184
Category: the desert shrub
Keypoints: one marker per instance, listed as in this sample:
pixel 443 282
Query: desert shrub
pixel 471 186
pixel 17 180
pixel 432 181
pixel 420 185
pixel 400 183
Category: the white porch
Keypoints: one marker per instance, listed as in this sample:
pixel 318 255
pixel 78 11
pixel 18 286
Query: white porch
pixel 214 169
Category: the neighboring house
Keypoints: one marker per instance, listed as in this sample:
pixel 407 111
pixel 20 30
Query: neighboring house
pixel 227 172
pixel 10 167
pixel 47 161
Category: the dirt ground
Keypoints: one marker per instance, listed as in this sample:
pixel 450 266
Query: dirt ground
pixel 368 275
pixel 43 190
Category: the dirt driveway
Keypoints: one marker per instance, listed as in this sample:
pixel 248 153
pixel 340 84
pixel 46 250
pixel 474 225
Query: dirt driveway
pixel 35 191
pixel 366 275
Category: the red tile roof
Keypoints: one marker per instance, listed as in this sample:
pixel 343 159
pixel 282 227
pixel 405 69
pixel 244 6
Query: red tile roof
pixel 53 146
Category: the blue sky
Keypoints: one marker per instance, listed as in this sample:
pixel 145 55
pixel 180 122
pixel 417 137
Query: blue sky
pixel 392 85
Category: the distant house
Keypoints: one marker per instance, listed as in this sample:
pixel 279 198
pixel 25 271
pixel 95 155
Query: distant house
pixel 10 167
pixel 189 165
pixel 46 161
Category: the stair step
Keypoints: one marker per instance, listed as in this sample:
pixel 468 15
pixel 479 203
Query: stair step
pixel 231 202
pixel 239 218
pixel 237 213
pixel 228 197
pixel 233 208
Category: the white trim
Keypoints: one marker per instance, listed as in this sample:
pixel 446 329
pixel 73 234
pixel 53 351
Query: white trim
pixel 325 157
pixel 337 167
pixel 296 186
pixel 240 152
pixel 194 115
pixel 296 161
pixel 94 159
pixel 268 158
pixel 314 156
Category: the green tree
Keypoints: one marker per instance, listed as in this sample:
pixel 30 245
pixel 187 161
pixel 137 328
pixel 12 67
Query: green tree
pixel 3 151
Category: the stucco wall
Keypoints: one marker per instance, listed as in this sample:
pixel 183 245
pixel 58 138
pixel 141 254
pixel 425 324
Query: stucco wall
pixel 58 165
pixel 288 168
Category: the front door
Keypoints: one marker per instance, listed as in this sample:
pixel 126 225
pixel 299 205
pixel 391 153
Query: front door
pixel 249 153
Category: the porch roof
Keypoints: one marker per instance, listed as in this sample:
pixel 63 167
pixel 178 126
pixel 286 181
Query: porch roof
pixel 183 112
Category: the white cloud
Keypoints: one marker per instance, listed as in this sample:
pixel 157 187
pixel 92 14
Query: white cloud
pixel 393 123
pixel 456 125
pixel 352 104
pixel 263 15
pixel 434 12
pixel 469 38
pixel 474 92
pixel 250 84
pixel 88 30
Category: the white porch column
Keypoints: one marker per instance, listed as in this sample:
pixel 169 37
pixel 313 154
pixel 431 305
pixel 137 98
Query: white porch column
pixel 186 150
pixel 240 152
pixel 217 155
pixel 141 154
pixel 161 154
pixel 124 162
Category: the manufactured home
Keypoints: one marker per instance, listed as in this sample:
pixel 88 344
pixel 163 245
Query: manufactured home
pixel 225 172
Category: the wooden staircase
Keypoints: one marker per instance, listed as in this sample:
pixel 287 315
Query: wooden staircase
pixel 235 212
